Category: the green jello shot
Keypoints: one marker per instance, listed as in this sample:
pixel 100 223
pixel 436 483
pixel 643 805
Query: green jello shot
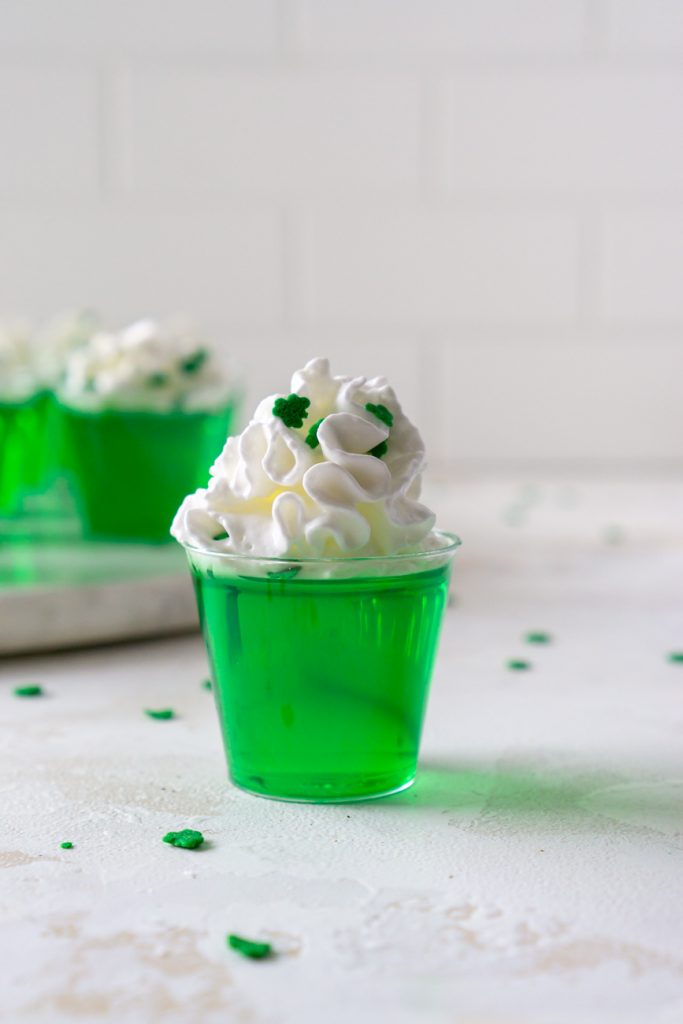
pixel 24 450
pixel 322 667
pixel 130 470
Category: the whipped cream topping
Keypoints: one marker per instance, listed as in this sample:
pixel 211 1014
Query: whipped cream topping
pixel 146 367
pixel 17 374
pixel 331 470
pixel 58 339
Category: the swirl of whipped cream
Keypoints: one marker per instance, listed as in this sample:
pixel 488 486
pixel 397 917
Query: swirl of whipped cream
pixel 17 375
pixel 58 339
pixel 146 367
pixel 278 491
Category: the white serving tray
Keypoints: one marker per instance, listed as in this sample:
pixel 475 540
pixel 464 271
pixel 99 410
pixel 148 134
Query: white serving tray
pixel 73 594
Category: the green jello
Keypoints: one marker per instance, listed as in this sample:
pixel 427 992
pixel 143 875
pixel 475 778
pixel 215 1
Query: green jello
pixel 24 451
pixel 132 470
pixel 321 684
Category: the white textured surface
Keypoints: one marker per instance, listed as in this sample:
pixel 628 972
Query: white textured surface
pixel 533 875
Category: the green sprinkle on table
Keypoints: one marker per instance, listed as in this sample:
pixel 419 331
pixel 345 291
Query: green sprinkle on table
pixel 292 410
pixel 613 534
pixel 32 690
pixel 186 839
pixel 66 846
pixel 207 684
pixel 163 714
pixel 254 950
pixel 676 658
pixel 538 638
pixel 518 665
pixel 221 535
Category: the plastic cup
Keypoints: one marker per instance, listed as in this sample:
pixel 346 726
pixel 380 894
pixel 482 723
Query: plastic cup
pixel 24 450
pixel 131 470
pixel 321 667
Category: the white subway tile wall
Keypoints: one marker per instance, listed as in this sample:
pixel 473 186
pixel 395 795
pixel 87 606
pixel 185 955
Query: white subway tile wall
pixel 483 198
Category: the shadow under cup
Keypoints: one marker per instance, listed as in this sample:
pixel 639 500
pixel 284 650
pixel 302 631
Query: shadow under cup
pixel 321 668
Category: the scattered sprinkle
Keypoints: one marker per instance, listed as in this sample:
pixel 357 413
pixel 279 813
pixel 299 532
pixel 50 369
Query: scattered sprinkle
pixel 538 638
pixel 32 690
pixel 676 657
pixel 292 410
pixel 163 713
pixel 312 435
pixel 382 413
pixel 194 362
pixel 513 515
pixel 518 665
pixel 66 846
pixel 613 534
pixel 222 535
pixel 284 574
pixel 207 684
pixel 379 450
pixel 254 950
pixel 157 380
pixel 187 839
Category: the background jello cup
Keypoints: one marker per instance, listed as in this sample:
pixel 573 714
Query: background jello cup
pixel 24 450
pixel 130 470
pixel 321 668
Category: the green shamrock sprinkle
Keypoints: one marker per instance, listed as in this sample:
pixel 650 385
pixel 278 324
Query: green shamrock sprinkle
pixel 312 435
pixel 66 846
pixel 379 450
pixel 292 410
pixel 538 638
pixel 194 362
pixel 676 657
pixel 382 413
pixel 222 535
pixel 157 380
pixel 163 713
pixel 518 665
pixel 187 839
pixel 207 684
pixel 32 690
pixel 254 950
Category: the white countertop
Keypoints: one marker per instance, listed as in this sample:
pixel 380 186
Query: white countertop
pixel 534 873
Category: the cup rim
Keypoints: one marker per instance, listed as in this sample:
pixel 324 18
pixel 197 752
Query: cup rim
pixel 451 542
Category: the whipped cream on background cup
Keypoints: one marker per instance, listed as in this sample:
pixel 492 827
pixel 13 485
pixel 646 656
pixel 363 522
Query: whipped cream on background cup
pixel 143 412
pixel 321 583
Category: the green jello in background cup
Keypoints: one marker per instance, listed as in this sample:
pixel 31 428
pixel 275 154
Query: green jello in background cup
pixel 130 470
pixel 321 667
pixel 24 450
pixel 143 414
pixel 25 422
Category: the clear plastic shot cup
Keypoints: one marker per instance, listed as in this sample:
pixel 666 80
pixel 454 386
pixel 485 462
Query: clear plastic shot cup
pixel 131 470
pixel 321 667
